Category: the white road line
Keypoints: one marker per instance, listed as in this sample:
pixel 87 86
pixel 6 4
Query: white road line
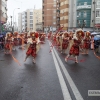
pixel 64 88
pixel 69 79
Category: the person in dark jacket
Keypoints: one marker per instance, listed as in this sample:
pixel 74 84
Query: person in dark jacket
pixel 96 45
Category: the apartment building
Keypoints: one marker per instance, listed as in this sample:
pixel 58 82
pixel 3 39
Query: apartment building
pixel 97 14
pixel 72 14
pixel 64 13
pixel 37 19
pixel 49 15
pixel 3 12
pixel 19 22
pixel 28 19
pixel 58 14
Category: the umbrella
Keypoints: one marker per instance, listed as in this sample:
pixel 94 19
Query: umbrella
pixel 94 33
pixel 97 37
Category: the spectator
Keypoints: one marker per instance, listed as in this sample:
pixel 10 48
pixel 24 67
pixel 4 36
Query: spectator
pixel 96 45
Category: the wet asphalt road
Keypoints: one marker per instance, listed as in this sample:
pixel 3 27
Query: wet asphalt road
pixel 40 81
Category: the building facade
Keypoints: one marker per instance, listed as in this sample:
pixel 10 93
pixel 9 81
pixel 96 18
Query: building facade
pixel 97 14
pixel 3 12
pixel 19 22
pixel 58 14
pixel 49 15
pixel 64 13
pixel 72 14
pixel 37 18
pixel 84 13
pixel 28 19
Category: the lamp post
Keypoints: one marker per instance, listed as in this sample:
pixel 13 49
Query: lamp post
pixel 13 17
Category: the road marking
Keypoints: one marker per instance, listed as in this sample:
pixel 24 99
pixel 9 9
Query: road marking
pixel 69 79
pixel 64 88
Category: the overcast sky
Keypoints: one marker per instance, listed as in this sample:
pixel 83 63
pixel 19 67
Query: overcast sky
pixel 23 5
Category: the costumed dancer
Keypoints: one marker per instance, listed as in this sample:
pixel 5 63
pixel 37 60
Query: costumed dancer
pixel 57 40
pixel 25 39
pixel 21 41
pixel 42 37
pixel 38 42
pixel 71 35
pixel 60 41
pixel 86 43
pixel 65 42
pixel 54 39
pixel 8 43
pixel 32 47
pixel 74 51
pixel 15 36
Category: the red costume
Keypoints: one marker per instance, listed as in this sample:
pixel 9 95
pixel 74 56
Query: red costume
pixel 86 44
pixel 75 48
pixel 32 49
pixel 87 40
pixel 65 41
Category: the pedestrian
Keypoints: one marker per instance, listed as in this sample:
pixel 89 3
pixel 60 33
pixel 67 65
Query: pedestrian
pixel 92 42
pixel 96 45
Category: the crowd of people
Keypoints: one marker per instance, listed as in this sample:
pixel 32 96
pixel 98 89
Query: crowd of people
pixel 74 43
pixel 31 40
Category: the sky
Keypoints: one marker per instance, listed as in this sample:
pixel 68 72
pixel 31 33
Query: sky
pixel 23 5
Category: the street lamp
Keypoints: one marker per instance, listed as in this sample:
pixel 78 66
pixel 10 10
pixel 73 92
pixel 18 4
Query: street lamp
pixel 13 17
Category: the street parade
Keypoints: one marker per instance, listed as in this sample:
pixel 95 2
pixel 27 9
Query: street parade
pixel 71 43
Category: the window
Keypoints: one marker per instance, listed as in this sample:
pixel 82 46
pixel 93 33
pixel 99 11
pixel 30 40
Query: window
pixel 79 14
pixel 54 5
pixel 85 22
pixel 54 17
pixel 97 13
pixel 31 25
pixel 85 3
pixel 97 20
pixel 31 13
pixel 54 23
pixel 79 4
pixel 31 21
pixel 84 14
pixel 31 17
pixel 54 11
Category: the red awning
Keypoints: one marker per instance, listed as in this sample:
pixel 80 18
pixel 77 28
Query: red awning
pixel 97 25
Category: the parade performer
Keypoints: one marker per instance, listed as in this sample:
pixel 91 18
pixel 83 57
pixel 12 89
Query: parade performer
pixel 65 42
pixel 8 43
pixel 38 42
pixel 32 47
pixel 21 41
pixel 86 43
pixel 57 40
pixel 60 41
pixel 75 47
pixel 25 38
pixel 15 36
